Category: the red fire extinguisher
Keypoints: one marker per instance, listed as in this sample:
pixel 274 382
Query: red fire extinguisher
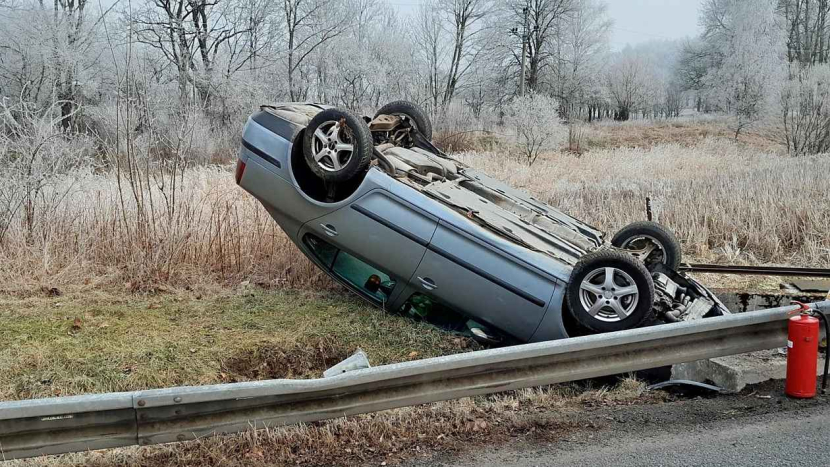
pixel 802 353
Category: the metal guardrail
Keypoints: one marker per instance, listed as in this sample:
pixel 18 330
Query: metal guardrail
pixel 67 424
pixel 755 270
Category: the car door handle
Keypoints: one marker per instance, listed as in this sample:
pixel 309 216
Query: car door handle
pixel 427 283
pixel 329 230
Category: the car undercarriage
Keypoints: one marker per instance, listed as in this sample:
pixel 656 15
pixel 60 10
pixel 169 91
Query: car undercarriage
pixel 628 281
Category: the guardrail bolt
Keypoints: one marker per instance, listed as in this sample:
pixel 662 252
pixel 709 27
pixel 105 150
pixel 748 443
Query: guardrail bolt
pixel 177 399
pixel 141 403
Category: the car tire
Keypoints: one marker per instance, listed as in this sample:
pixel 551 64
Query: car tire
pixel 337 145
pixel 636 236
pixel 599 305
pixel 412 111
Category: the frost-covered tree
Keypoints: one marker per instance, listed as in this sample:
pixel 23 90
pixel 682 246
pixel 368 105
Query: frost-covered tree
pixel 543 18
pixel 694 62
pixel 662 91
pixel 805 111
pixel 808 33
pixel 538 128
pixel 431 48
pixel 581 45
pixel 749 48
pixel 628 83
pixel 136 73
pixel 309 25
pixel 361 68
pixel 566 43
pixel 190 34
pixel 34 154
pixel 49 54
pixel 463 19
pixel 402 79
pixel 345 65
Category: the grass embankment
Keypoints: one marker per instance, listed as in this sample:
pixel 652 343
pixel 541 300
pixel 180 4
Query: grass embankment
pixel 96 342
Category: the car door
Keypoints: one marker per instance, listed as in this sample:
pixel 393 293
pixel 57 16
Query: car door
pixel 483 282
pixel 380 229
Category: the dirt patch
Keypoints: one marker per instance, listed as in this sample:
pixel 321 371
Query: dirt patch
pixel 307 358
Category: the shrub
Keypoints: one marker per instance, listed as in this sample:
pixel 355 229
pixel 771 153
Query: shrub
pixel 538 129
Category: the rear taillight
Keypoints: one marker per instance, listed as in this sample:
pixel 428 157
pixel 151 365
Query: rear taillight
pixel 240 170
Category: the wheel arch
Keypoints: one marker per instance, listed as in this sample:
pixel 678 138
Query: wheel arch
pixel 554 324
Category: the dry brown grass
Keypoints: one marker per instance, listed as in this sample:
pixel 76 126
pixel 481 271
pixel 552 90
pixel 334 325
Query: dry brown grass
pixel 727 201
pixel 692 131
pixel 211 233
pixel 467 140
pixel 389 437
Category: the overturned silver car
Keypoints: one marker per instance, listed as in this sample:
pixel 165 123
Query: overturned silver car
pixel 379 208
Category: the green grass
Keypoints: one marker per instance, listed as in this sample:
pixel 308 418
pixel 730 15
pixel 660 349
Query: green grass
pixel 125 342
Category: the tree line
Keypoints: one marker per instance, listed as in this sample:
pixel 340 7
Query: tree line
pixel 87 63
pixel 224 56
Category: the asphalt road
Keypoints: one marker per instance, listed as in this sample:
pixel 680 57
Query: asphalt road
pixel 763 429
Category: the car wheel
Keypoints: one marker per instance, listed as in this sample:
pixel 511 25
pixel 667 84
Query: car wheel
pixel 414 113
pixel 337 145
pixel 651 243
pixel 610 290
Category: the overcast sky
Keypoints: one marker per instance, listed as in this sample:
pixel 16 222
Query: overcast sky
pixel 635 21
pixel 638 21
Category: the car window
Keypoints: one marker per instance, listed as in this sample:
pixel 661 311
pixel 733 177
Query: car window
pixel 322 250
pixel 362 276
pixel 371 281
pixel 433 311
